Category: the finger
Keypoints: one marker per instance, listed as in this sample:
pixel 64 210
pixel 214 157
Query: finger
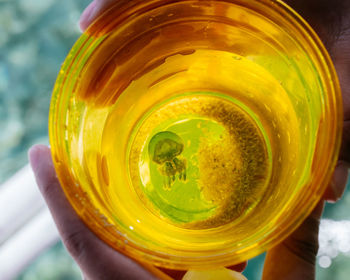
pixel 95 258
pixel 345 147
pixel 295 257
pixel 325 17
pixel 96 8
pixel 86 16
pixel 338 183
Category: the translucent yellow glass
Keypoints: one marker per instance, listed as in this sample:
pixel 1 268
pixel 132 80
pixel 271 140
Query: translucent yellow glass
pixel 191 134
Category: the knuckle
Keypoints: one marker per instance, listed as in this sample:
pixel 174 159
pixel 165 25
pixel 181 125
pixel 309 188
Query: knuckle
pixel 49 189
pixel 75 243
pixel 345 148
pixel 303 243
pixel 304 249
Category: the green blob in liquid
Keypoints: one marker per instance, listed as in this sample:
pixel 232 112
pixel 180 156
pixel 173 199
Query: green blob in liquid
pixel 163 149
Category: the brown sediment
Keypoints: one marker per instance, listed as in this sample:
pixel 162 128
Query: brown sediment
pixel 234 170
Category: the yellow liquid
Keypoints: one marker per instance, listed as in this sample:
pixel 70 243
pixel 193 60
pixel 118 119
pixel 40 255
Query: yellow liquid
pixel 232 138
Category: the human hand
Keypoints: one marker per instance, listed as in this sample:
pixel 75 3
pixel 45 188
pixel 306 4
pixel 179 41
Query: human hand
pixel 96 259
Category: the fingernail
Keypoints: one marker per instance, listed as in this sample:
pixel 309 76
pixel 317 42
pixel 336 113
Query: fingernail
pixel 87 16
pixel 34 156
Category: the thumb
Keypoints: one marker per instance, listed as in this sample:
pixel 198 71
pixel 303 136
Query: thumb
pixel 96 259
pixel 295 257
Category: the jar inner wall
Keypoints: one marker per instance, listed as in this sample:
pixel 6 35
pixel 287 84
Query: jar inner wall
pixel 190 130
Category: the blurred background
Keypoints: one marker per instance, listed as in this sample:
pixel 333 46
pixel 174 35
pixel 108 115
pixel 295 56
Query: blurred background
pixel 35 37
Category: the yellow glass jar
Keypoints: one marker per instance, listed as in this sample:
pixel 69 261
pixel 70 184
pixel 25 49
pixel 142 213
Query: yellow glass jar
pixel 195 134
